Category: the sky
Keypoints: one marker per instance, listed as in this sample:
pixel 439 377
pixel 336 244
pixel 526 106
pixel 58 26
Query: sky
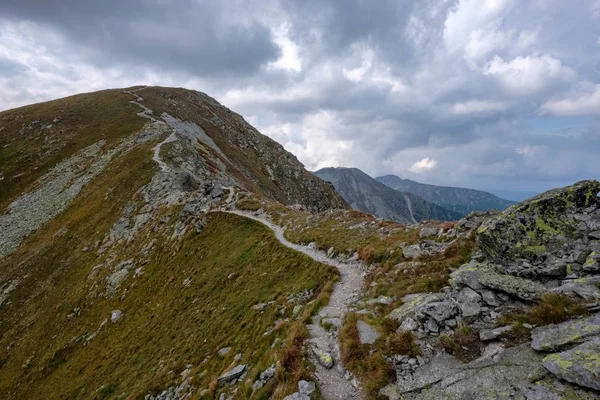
pixel 488 94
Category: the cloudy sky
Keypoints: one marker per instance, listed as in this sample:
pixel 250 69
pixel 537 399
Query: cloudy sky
pixel 491 94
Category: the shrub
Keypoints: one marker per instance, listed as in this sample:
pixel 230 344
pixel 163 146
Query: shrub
pixel 551 309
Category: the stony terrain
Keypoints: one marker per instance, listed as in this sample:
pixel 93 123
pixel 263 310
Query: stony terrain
pixel 366 194
pixel 460 200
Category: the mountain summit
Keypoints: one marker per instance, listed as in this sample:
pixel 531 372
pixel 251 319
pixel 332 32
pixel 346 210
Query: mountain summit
pixel 366 194
pixel 460 200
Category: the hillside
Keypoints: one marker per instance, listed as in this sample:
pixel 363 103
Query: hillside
pixel 366 194
pixel 115 278
pixel 460 200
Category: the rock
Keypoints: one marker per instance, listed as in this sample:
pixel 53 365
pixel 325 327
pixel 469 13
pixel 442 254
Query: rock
pixel 580 365
pixel 257 384
pixel 542 224
pixel 296 310
pixel 431 325
pixel 231 375
pixel 306 388
pixel 490 298
pixel 491 355
pixel 428 232
pixel 259 306
pixel 413 303
pixel 297 396
pixel 585 291
pixel 323 357
pixel 468 295
pixel 594 235
pixel 115 315
pixel 390 391
pixel 479 276
pixel 441 311
pixel 470 311
pixel 409 324
pixel 554 337
pixel 366 333
pixel 224 351
pixel 539 392
pixel 502 375
pixel 423 249
pixel 381 300
pixel 491 334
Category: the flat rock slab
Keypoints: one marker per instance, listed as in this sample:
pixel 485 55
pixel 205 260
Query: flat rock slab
pixel 555 337
pixel 412 304
pixel 580 365
pixel 232 374
pixel 366 333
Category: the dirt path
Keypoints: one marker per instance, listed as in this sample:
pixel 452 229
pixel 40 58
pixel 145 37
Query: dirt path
pixel 334 382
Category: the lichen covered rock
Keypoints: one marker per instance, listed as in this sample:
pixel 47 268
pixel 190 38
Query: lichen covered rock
pixel 555 337
pixel 554 223
pixel 580 365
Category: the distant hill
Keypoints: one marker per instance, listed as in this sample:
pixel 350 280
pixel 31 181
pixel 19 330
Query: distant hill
pixel 366 194
pixel 459 200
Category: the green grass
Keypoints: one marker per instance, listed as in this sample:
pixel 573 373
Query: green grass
pixel 550 309
pixel 166 325
pixel 464 344
pixel 28 153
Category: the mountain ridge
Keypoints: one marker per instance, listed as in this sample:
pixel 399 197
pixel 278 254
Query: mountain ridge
pixel 461 200
pixel 366 194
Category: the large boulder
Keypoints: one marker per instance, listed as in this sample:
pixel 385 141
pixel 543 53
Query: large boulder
pixel 556 337
pixel 580 365
pixel 530 236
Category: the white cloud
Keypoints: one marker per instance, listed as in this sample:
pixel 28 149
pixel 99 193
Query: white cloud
pixel 290 57
pixel 478 107
pixel 425 165
pixel 529 75
pixel 586 103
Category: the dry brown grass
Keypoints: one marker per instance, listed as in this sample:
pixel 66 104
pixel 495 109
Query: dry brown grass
pixel 464 344
pixel 403 342
pixel 551 309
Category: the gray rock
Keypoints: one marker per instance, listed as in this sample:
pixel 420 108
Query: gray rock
pixel 381 300
pixel 594 235
pixel 431 325
pixel 423 249
pixel 409 324
pixel 412 304
pixel 232 374
pixel 297 396
pixel 441 311
pixel 580 365
pixel 468 295
pixel 306 388
pixel 539 392
pixel 490 298
pixel 323 357
pixel 390 391
pixel 470 311
pixel 115 315
pixel 585 291
pixel 555 337
pixel 366 333
pixel 224 351
pixel 428 232
pixel 491 334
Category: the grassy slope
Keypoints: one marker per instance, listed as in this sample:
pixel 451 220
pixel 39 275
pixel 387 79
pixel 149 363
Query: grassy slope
pixel 165 325
pixel 26 153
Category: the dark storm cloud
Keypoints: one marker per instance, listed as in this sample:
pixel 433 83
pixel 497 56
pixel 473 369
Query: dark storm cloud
pixel 442 91
pixel 205 38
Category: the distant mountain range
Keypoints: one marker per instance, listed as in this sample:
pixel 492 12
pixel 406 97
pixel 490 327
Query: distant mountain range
pixel 366 194
pixel 460 200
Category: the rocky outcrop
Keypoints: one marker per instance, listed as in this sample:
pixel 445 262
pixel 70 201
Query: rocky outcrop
pixel 580 365
pixel 556 337
pixel 551 234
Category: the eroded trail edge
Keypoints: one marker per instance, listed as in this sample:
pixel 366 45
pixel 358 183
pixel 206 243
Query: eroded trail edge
pixel 334 381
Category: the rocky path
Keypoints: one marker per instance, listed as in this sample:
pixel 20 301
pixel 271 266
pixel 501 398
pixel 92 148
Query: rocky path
pixel 156 157
pixel 334 382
